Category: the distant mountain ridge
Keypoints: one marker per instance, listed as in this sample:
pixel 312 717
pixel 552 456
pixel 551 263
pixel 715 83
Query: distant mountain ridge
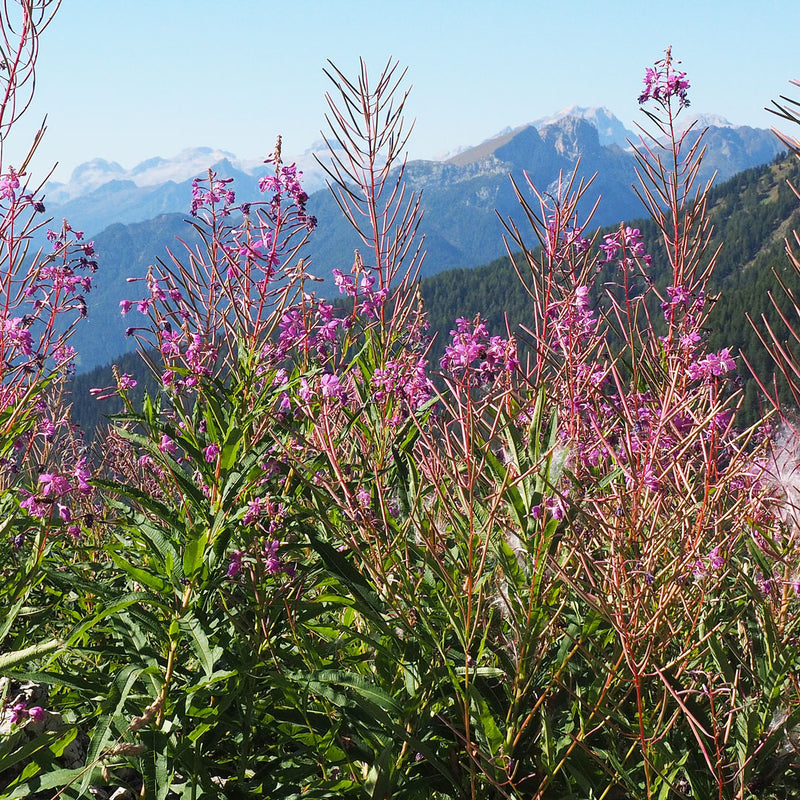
pixel 101 192
pixel 610 129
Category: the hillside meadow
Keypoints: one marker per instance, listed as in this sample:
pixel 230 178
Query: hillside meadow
pixel 317 561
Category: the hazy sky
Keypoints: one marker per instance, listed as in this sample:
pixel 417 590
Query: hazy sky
pixel 126 80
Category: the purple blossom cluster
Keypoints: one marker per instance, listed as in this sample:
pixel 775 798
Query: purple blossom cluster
pixel 262 245
pixel 210 452
pixel 211 191
pixel 10 190
pixel 404 382
pixel 683 311
pixel 249 253
pixel 714 562
pixel 54 490
pixel 54 289
pixel 367 300
pixel 308 327
pixel 551 507
pixel 193 311
pixel 712 365
pixel 286 181
pixel 612 432
pixel 475 356
pixel 16 335
pixel 20 712
pixel 189 356
pixel 326 388
pixel 9 184
pixel 268 517
pixel 167 445
pixel 187 366
pixel 573 320
pixel 563 242
pixel 638 432
pixel 679 298
pixel 609 423
pixel 624 247
pixel 331 388
pixel 662 82
pixel 269 557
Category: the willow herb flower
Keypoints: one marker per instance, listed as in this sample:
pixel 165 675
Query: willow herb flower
pixel 663 82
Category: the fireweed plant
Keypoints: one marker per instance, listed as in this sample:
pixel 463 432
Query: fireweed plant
pixel 45 497
pixel 322 566
pixel 47 505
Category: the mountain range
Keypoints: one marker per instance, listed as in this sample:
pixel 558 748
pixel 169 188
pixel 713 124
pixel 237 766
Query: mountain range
pixel 100 193
pixel 134 215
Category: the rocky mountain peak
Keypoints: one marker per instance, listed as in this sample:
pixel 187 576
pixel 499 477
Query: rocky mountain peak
pixel 610 129
pixel 571 137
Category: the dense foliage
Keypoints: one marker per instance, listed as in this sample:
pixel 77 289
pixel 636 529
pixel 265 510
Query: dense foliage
pixel 312 563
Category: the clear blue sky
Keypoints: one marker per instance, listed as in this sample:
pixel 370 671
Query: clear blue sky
pixel 126 80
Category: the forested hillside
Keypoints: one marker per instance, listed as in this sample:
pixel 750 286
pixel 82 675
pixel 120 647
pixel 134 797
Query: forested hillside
pixel 752 215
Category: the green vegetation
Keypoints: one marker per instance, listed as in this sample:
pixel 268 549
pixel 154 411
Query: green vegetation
pixel 304 566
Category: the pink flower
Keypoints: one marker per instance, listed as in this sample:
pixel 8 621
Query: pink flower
pixel 211 452
pixel 274 562
pixel 712 365
pixel 254 511
pixel 470 344
pixel 82 475
pixel 235 567
pixel 663 81
pixel 8 184
pixel 33 506
pixel 18 711
pixel 715 560
pixel 167 445
pixel 304 392
pixel 53 484
pixel 18 333
pixel 330 386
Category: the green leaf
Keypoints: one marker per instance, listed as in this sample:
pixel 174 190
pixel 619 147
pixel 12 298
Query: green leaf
pixel 122 603
pixel 55 779
pixel 199 641
pixel 155 582
pixel 116 719
pixel 492 734
pixel 15 658
pixel 362 688
pixel 371 604
pixel 194 552
pixel 17 754
pixel 155 764
pixel 379 777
